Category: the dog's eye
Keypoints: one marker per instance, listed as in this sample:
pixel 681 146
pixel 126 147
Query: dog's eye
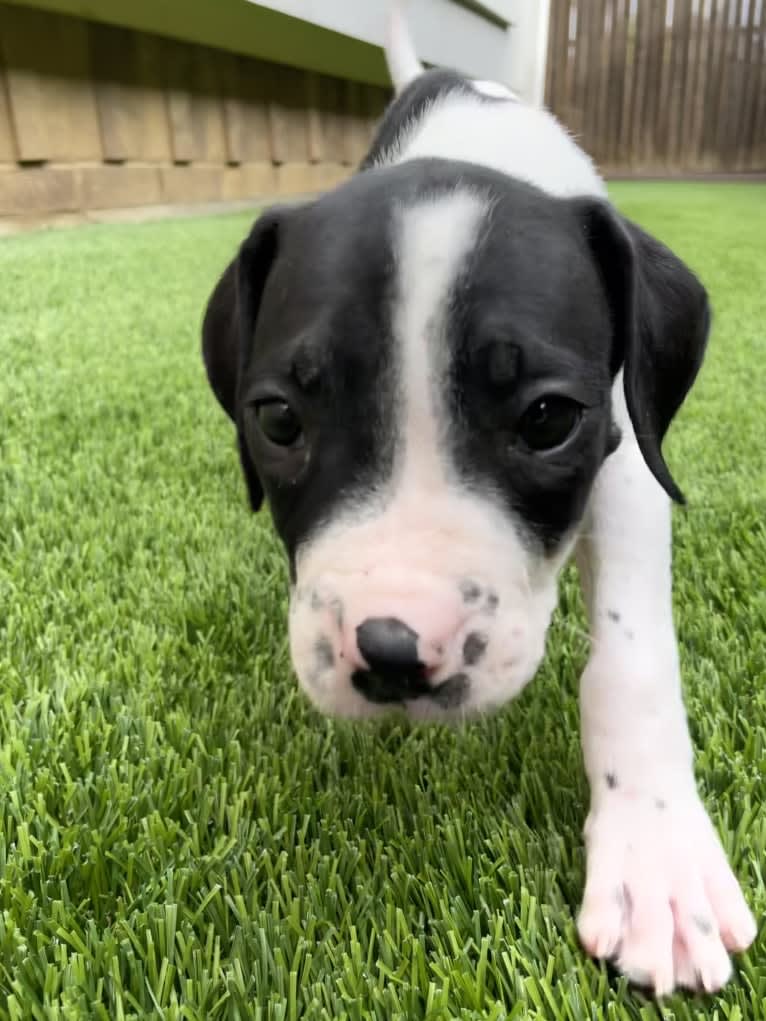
pixel 549 421
pixel 278 422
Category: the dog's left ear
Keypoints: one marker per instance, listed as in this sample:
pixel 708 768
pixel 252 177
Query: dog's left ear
pixel 661 320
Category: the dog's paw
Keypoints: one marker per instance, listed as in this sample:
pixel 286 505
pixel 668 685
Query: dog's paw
pixel 660 898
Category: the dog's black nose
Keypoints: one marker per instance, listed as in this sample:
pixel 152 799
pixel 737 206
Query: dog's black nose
pixel 387 644
pixel 390 649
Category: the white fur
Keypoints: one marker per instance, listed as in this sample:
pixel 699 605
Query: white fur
pixel 435 237
pixel 514 139
pixel 495 90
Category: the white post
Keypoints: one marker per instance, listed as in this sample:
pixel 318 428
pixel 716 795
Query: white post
pixel 528 49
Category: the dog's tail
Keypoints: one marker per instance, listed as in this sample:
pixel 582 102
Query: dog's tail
pixel 402 60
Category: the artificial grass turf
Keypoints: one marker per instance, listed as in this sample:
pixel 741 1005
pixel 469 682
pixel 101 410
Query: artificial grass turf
pixel 182 836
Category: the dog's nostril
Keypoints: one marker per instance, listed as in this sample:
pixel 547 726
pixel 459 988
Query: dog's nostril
pixel 388 646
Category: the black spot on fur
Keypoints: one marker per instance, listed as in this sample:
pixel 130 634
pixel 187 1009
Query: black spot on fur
pixel 470 591
pixel 451 692
pixel 474 648
pixel 611 780
pixel 660 804
pixel 337 608
pixel 613 615
pixel 704 925
pixel 325 657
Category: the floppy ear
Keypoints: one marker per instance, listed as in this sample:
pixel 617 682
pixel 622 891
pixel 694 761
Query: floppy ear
pixel 661 322
pixel 229 325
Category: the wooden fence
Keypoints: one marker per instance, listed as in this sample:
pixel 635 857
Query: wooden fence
pixel 662 86
pixel 97 117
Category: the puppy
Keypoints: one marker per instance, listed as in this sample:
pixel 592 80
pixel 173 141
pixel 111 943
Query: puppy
pixel 448 376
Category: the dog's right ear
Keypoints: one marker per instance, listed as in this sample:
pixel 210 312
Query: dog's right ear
pixel 229 326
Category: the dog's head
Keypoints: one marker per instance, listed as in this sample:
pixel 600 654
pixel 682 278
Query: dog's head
pixel 419 366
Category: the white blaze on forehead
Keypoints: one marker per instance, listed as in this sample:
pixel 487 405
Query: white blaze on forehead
pixel 435 238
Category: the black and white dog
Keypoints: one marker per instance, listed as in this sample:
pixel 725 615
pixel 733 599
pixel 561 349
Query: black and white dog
pixel 449 375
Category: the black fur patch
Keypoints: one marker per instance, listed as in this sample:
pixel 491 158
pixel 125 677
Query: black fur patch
pixel 323 652
pixel 452 692
pixel 470 591
pixel 474 648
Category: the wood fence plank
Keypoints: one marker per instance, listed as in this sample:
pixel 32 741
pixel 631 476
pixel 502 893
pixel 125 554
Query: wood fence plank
pixel 581 70
pixel 744 57
pixel 113 67
pixel 709 76
pixel 356 122
pixel 749 97
pixel 314 118
pixel 758 130
pixel 599 78
pixel 716 99
pixel 695 87
pixel 558 42
pixel 233 119
pixel 287 116
pixel 376 101
pixel 568 109
pixel 331 104
pixel 622 141
pixel 179 65
pixel 195 92
pixel 246 111
pixel 655 76
pixel 129 94
pixel 206 89
pixel 152 113
pixel 553 64
pixel 639 112
pixel 726 109
pixel 734 87
pixel 617 72
pixel 677 82
pixel 8 151
pixel 49 85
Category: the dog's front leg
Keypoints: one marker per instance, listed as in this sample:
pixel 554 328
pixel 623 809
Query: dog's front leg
pixel 660 897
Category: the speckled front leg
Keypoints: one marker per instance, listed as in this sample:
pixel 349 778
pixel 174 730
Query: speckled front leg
pixel 660 897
